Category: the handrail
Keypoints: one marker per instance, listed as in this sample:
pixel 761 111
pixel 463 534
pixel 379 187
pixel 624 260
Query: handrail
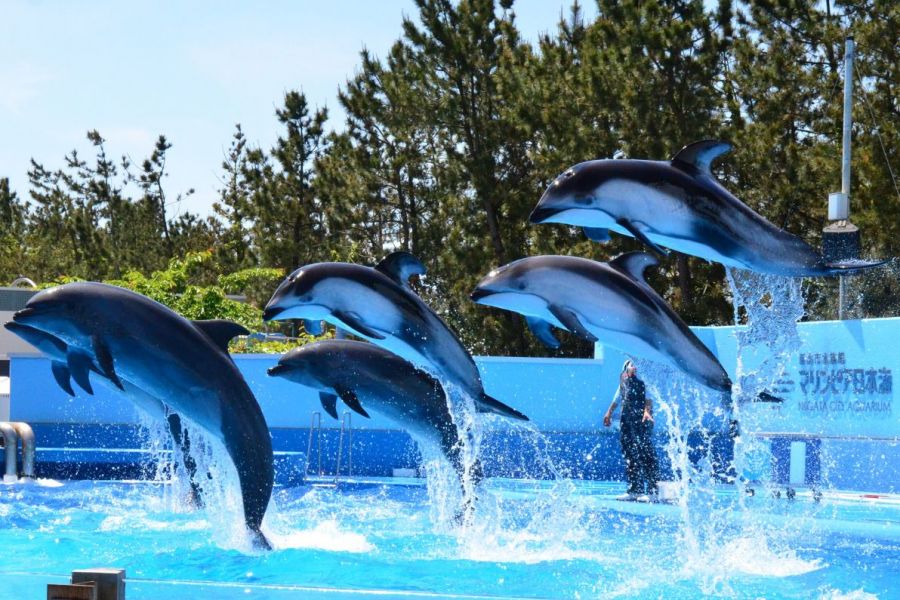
pixel 815 436
pixel 11 447
pixel 26 434
pixel 314 425
pixel 345 420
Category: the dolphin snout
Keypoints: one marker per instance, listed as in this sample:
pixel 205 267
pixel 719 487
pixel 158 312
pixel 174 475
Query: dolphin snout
pixel 271 312
pixel 541 214
pixel 24 313
pixel 277 370
pixel 480 293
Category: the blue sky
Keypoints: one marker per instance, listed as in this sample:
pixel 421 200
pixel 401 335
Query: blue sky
pixel 189 70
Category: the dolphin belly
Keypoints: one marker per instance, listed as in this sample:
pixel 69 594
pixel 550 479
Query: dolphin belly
pixel 583 217
pixel 529 305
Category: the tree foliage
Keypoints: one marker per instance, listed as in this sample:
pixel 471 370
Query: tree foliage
pixel 451 137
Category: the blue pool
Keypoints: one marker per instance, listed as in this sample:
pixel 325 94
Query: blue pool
pixel 380 538
pixel 546 524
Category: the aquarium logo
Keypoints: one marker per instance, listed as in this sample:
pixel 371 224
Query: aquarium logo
pixel 830 386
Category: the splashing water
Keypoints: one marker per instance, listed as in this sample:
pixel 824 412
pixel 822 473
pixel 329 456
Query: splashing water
pixel 700 425
pixel 217 497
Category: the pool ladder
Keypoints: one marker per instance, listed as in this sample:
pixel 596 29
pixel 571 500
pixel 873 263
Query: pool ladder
pixel 11 433
pixel 315 429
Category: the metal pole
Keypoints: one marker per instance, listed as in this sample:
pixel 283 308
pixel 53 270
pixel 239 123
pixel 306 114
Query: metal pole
pixel 849 55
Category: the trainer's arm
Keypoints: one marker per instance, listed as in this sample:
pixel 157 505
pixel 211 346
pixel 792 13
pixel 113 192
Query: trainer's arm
pixel 648 410
pixel 607 418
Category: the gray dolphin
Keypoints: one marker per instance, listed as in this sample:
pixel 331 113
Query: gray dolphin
pixel 678 204
pixel 58 352
pixel 377 304
pixel 366 376
pixel 130 338
pixel 601 301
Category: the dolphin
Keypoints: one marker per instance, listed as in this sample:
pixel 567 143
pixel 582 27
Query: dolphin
pixel 131 338
pixel 601 301
pixel 678 204
pixel 57 351
pixel 377 304
pixel 366 376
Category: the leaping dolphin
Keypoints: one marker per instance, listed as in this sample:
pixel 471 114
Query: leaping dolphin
pixel 678 204
pixel 136 341
pixel 58 352
pixel 608 302
pixel 365 376
pixel 377 304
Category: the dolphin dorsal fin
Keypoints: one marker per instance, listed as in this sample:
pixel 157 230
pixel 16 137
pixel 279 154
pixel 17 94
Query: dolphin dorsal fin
pixel 633 264
pixel 400 266
pixel 221 331
pixel 701 155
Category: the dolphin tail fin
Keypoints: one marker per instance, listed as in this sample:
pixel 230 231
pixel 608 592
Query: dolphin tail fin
pixel 845 267
pixel 487 404
pixel 259 540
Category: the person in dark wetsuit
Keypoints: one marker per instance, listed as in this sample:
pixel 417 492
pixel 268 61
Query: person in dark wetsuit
pixel 636 428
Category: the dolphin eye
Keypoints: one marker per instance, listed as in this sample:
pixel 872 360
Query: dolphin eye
pixel 521 285
pixel 584 199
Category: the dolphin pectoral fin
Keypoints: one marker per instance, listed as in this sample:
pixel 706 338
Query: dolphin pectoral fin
pixel 487 404
pixel 329 403
pixel 640 236
pixel 79 366
pixel 220 331
pixel 352 401
pixel 313 327
pixel 700 155
pixel 571 322
pixel 596 234
pixel 62 377
pixel 541 330
pixel 400 266
pixel 634 264
pixel 353 321
pixel 104 359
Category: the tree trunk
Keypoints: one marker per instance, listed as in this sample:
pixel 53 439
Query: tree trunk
pixel 684 282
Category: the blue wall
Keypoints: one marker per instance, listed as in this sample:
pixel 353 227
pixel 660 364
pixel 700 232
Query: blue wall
pixel 838 385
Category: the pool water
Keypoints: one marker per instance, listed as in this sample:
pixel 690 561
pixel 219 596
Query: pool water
pixel 382 538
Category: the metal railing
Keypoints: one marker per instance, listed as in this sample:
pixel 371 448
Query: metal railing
pixel 345 422
pixel 315 425
pixel 315 431
pixel 12 433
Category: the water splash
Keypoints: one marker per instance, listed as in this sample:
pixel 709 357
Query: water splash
pixel 214 492
pixel 701 427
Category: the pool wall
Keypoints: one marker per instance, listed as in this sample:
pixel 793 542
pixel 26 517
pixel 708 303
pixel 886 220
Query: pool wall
pixel 839 424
